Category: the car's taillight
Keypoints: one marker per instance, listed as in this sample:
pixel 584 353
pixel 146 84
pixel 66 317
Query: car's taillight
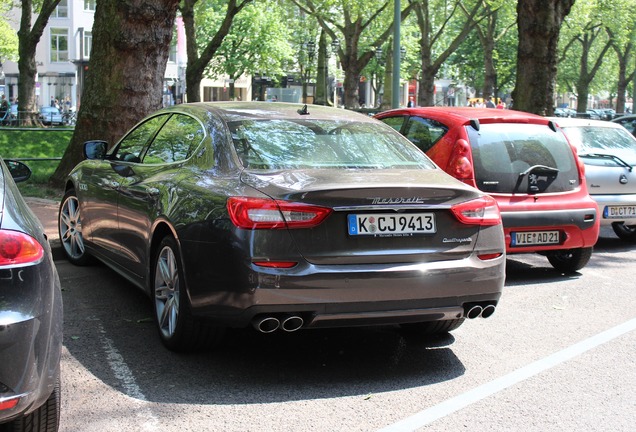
pixel 9 403
pixel 258 213
pixel 18 248
pixel 480 211
pixel 459 165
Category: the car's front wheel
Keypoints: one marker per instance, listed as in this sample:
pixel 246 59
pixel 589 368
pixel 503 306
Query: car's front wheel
pixel 625 232
pixel 70 229
pixel 570 260
pixel 178 329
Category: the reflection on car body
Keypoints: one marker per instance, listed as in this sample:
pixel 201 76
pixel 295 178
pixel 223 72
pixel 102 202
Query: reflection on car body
pixel 524 162
pixel 282 217
pixel 30 314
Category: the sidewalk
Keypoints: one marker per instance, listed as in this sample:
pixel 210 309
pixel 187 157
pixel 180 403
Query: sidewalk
pixel 46 211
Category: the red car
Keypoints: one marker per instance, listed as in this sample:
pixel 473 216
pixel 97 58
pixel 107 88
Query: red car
pixel 522 160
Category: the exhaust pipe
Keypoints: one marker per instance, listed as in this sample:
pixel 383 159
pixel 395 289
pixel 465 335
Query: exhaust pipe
pixel 474 311
pixel 488 311
pixel 266 324
pixel 292 323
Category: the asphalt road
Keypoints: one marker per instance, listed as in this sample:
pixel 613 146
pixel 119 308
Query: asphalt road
pixel 558 355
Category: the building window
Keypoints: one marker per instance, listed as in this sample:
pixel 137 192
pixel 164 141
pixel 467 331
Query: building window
pixel 172 56
pixel 88 44
pixel 59 45
pixel 89 5
pixel 61 11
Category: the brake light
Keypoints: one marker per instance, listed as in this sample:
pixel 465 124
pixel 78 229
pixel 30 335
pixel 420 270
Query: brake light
pixel 18 248
pixel 480 211
pixel 258 213
pixel 459 165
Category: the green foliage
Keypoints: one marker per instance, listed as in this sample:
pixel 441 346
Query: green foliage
pixel 36 144
pixel 8 36
pixel 257 41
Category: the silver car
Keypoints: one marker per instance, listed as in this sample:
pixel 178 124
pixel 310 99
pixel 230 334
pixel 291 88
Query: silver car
pixel 608 151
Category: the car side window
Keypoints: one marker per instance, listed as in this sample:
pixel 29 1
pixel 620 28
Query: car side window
pixel 176 140
pixel 424 133
pixel 395 122
pixel 131 147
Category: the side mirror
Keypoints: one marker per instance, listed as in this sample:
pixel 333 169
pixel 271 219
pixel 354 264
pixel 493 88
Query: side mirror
pixel 19 171
pixel 95 149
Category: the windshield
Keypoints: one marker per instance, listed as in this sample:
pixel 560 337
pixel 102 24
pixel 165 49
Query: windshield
pixel 291 144
pixel 590 139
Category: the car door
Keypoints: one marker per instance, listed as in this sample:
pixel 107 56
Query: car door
pixel 105 182
pixel 151 189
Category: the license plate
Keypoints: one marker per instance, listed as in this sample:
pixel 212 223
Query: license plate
pixel 619 212
pixel 391 224
pixel 530 238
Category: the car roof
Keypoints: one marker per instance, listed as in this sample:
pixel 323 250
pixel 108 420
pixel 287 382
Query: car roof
pixel 623 118
pixel 240 111
pixel 463 115
pixel 580 122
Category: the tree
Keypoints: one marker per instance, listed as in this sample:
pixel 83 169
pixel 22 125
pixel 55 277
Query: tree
pixel 434 21
pixel 208 46
pixel 349 23
pixel 8 36
pixel 256 43
pixel 539 23
pixel 131 43
pixel 29 36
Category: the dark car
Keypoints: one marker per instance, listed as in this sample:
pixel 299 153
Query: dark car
pixel 522 160
pixel 609 154
pixel 628 122
pixel 283 217
pixel 30 314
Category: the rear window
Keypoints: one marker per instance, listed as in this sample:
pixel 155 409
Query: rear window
pixel 522 158
pixel 291 144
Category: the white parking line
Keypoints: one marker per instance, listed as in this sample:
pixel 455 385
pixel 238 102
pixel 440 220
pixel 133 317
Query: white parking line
pixel 449 406
pixel 122 372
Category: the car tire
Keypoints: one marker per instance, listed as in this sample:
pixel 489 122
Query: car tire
pixel 625 232
pixel 46 418
pixel 570 260
pixel 178 329
pixel 433 327
pixel 70 229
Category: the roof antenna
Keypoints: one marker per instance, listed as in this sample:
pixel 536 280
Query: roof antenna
pixel 303 110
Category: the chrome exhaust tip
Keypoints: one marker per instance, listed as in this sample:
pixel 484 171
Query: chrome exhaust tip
pixel 266 324
pixel 474 312
pixel 488 311
pixel 292 323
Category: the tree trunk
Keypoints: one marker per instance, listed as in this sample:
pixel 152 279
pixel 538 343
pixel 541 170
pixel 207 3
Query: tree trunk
pixel 28 39
pixel 322 72
pixel 197 64
pixel 539 23
pixel 131 42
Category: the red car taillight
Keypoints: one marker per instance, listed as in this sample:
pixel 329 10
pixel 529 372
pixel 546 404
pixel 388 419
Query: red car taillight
pixel 480 211
pixel 258 213
pixel 459 165
pixel 18 248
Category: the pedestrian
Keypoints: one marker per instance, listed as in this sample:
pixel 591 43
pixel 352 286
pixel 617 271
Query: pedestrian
pixel 411 102
pixel 501 105
pixel 489 102
pixel 4 108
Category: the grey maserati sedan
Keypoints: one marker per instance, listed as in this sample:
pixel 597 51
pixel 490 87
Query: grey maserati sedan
pixel 282 217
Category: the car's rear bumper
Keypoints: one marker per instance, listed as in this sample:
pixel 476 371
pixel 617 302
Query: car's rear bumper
pixel 626 214
pixel 578 228
pixel 30 336
pixel 358 295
